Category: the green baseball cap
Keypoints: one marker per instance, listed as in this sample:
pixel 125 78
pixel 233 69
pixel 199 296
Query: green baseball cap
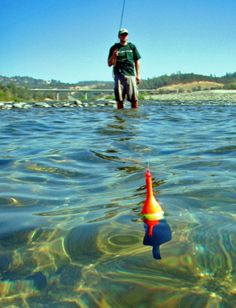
pixel 123 31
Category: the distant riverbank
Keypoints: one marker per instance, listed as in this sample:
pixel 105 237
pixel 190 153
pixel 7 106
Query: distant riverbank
pixel 198 97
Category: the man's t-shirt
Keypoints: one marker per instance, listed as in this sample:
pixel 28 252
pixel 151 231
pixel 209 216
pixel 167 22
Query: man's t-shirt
pixel 125 60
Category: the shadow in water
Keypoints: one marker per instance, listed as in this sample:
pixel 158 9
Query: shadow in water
pixel 157 233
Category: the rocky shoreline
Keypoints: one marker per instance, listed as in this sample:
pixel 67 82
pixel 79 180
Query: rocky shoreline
pixel 227 97
pixel 223 96
pixel 54 104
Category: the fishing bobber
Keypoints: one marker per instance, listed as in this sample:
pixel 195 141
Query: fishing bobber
pixel 150 225
pixel 151 210
pixel 157 230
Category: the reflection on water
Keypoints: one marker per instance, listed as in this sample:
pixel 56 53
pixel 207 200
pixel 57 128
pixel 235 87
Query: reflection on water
pixel 71 191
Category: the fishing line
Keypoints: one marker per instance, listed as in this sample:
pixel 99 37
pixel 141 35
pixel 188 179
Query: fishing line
pixel 122 14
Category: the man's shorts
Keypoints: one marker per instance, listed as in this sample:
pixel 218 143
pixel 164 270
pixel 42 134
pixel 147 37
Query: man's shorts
pixel 125 86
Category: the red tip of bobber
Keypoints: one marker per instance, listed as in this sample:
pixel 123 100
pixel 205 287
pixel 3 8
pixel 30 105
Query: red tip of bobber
pixel 151 209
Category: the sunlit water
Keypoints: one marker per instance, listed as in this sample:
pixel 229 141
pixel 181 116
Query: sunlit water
pixel 72 186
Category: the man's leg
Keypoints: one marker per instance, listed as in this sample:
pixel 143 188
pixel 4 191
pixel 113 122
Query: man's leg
pixel 119 91
pixel 134 104
pixel 120 105
pixel 132 91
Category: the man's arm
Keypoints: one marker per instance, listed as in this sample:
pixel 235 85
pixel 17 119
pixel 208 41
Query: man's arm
pixel 113 58
pixel 137 68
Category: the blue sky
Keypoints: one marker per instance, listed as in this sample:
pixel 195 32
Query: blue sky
pixel 69 40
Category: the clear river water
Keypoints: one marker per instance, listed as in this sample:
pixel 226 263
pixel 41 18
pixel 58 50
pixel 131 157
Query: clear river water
pixel 71 189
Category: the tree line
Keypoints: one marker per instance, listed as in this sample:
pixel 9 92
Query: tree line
pixel 12 92
pixel 229 80
pixel 18 88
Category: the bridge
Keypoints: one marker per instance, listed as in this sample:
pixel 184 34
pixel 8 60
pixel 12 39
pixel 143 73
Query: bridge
pixel 85 91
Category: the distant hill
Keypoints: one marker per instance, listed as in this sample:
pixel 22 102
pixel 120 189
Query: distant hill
pixel 17 88
pixel 191 87
pixel 31 83
pixel 23 81
pixel 228 80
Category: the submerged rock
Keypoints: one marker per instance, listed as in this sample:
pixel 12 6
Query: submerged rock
pixel 81 244
pixel 39 280
pixel 5 262
pixel 15 239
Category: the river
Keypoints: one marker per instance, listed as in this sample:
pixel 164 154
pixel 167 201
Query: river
pixel 71 190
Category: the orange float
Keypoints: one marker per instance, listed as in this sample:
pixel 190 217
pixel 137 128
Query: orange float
pixel 151 211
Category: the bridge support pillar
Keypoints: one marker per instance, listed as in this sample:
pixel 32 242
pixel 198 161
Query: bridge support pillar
pixel 58 96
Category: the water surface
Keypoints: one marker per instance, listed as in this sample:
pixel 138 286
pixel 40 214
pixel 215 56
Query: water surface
pixel 71 189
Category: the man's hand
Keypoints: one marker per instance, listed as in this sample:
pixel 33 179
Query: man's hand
pixel 113 58
pixel 138 80
pixel 115 53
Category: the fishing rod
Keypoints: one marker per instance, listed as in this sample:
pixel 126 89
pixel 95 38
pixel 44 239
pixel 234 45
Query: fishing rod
pixel 121 22
pixel 122 14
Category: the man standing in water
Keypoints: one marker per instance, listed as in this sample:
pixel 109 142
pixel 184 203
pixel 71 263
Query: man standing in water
pixel 124 57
